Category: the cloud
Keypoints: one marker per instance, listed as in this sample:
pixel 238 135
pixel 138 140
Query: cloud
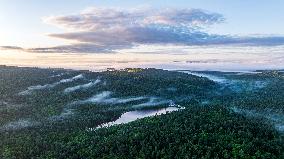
pixel 104 98
pixel 114 28
pixel 108 29
pixel 101 30
pixel 139 35
pixel 49 86
pixel 83 86
pixel 72 48
pixel 98 19
pixel 153 101
pixel 258 40
pixel 10 48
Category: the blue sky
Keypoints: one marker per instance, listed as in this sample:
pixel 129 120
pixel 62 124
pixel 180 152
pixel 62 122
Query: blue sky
pixel 242 17
pixel 21 20
pixel 61 26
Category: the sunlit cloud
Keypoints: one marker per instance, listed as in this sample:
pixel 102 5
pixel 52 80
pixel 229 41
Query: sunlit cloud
pixel 108 30
pixel 99 19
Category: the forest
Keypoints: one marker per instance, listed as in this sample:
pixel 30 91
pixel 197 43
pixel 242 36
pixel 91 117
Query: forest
pixel 46 113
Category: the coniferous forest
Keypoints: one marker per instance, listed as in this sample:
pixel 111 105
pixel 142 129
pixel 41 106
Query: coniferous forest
pixel 60 113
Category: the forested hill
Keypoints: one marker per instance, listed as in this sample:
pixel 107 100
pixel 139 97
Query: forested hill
pixel 55 113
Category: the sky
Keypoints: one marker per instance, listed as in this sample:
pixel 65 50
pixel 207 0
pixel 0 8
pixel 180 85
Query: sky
pixel 180 34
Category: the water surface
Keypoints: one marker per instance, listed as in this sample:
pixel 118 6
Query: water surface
pixel 138 114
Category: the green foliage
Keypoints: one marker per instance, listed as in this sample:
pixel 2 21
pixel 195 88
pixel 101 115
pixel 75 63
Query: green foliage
pixel 207 130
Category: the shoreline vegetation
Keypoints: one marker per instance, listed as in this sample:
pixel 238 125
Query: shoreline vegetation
pixel 225 115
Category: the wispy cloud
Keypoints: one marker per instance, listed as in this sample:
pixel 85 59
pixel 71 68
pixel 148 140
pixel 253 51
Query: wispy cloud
pixel 102 19
pixel 49 86
pixel 10 48
pixel 110 29
pixel 72 48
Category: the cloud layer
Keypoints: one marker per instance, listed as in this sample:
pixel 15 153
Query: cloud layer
pixel 109 29
pixel 110 19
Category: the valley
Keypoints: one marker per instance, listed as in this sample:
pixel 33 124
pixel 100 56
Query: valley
pixel 146 113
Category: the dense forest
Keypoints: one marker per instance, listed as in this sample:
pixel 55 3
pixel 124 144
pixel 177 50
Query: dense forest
pixel 46 113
